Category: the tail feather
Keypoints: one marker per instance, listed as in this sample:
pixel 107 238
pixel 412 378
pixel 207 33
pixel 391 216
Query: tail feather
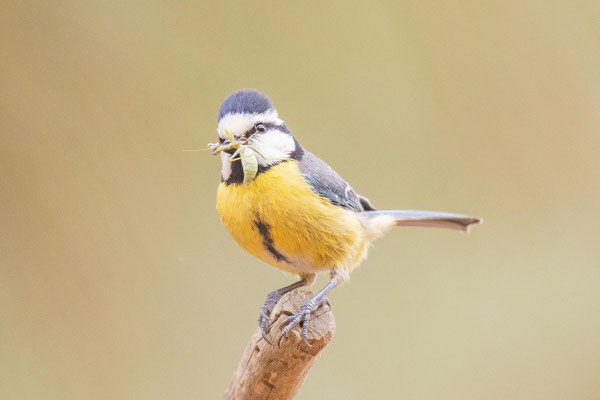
pixel 435 219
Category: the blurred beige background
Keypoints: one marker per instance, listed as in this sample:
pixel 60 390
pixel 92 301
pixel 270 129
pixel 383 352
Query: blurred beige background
pixel 119 282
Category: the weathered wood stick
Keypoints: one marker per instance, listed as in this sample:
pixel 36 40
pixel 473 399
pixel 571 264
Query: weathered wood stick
pixel 267 371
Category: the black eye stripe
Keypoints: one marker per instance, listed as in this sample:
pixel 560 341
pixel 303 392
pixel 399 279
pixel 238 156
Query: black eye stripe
pixel 267 125
pixel 250 132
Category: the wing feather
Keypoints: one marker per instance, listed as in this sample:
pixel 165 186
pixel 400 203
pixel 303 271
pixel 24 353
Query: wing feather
pixel 325 182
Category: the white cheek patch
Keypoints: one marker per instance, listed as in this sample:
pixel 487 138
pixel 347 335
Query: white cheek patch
pixel 225 165
pixel 273 145
pixel 238 124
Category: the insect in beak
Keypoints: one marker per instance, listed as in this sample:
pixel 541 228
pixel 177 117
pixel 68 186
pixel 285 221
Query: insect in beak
pixel 216 148
pixel 243 152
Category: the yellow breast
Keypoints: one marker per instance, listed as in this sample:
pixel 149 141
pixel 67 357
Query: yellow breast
pixel 279 219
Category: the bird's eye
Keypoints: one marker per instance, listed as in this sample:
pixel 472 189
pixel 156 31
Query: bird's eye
pixel 260 128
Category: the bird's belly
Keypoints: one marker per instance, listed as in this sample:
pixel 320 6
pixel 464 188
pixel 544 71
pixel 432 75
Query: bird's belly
pixel 279 219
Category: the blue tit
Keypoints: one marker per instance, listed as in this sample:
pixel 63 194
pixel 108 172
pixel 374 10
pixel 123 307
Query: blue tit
pixel 290 209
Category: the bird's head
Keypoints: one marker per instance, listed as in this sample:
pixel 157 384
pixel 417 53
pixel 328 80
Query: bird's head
pixel 248 119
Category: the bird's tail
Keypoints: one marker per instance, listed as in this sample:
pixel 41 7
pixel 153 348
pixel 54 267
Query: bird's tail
pixel 380 221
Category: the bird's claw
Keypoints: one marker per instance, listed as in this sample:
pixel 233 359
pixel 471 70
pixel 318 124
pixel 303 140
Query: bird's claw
pixel 265 311
pixel 302 317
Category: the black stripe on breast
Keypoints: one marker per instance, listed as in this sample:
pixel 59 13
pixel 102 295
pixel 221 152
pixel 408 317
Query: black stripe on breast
pixel 237 172
pixel 264 230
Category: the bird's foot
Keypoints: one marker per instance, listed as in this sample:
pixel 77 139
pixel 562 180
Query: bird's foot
pixel 265 312
pixel 302 317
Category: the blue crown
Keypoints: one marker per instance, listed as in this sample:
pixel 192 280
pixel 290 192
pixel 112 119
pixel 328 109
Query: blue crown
pixel 247 101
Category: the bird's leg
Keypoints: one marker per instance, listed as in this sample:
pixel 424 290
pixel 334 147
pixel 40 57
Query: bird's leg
pixel 272 299
pixel 303 315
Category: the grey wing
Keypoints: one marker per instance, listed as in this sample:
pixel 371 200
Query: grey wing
pixel 327 183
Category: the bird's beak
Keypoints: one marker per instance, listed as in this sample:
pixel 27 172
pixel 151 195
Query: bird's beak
pixel 219 147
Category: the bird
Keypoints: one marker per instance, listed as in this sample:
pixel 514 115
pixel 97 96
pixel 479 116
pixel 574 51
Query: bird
pixel 284 205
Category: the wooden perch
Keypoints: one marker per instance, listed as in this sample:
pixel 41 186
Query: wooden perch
pixel 266 371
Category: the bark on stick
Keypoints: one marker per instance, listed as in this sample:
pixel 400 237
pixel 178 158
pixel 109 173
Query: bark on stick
pixel 266 371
